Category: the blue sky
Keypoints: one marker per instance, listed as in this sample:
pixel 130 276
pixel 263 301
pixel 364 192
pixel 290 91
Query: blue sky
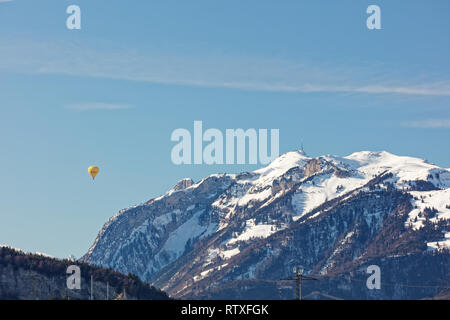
pixel 111 94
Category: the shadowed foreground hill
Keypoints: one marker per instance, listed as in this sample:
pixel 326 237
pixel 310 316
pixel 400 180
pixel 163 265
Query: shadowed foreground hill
pixel 25 276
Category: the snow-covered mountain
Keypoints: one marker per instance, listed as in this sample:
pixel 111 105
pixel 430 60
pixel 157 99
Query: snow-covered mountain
pixel 331 215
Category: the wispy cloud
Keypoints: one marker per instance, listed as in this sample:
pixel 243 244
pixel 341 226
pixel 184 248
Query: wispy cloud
pixel 244 73
pixel 6 1
pixel 88 106
pixel 428 123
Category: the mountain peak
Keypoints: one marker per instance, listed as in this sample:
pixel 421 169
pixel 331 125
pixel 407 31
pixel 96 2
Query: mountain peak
pixel 183 184
pixel 284 162
pixel 367 154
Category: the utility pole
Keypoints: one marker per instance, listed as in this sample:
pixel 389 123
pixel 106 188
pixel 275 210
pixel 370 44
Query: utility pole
pixel 298 278
pixel 92 287
pixel 107 290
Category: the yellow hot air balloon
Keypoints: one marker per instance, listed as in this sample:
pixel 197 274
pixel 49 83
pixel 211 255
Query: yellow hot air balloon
pixel 93 171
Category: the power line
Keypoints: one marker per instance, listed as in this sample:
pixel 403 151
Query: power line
pixel 323 294
pixel 405 285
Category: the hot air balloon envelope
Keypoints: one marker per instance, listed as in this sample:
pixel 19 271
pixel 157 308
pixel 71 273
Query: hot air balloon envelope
pixel 93 171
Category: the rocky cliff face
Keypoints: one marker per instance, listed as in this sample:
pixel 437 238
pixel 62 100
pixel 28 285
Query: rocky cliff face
pixel 331 215
pixel 313 166
pixel 183 184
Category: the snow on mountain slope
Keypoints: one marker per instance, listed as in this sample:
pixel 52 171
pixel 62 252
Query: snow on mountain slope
pixel 255 231
pixel 364 166
pixel 404 168
pixel 280 166
pixel 176 243
pixel 321 189
pixel 439 200
pixel 439 245
pixel 258 184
